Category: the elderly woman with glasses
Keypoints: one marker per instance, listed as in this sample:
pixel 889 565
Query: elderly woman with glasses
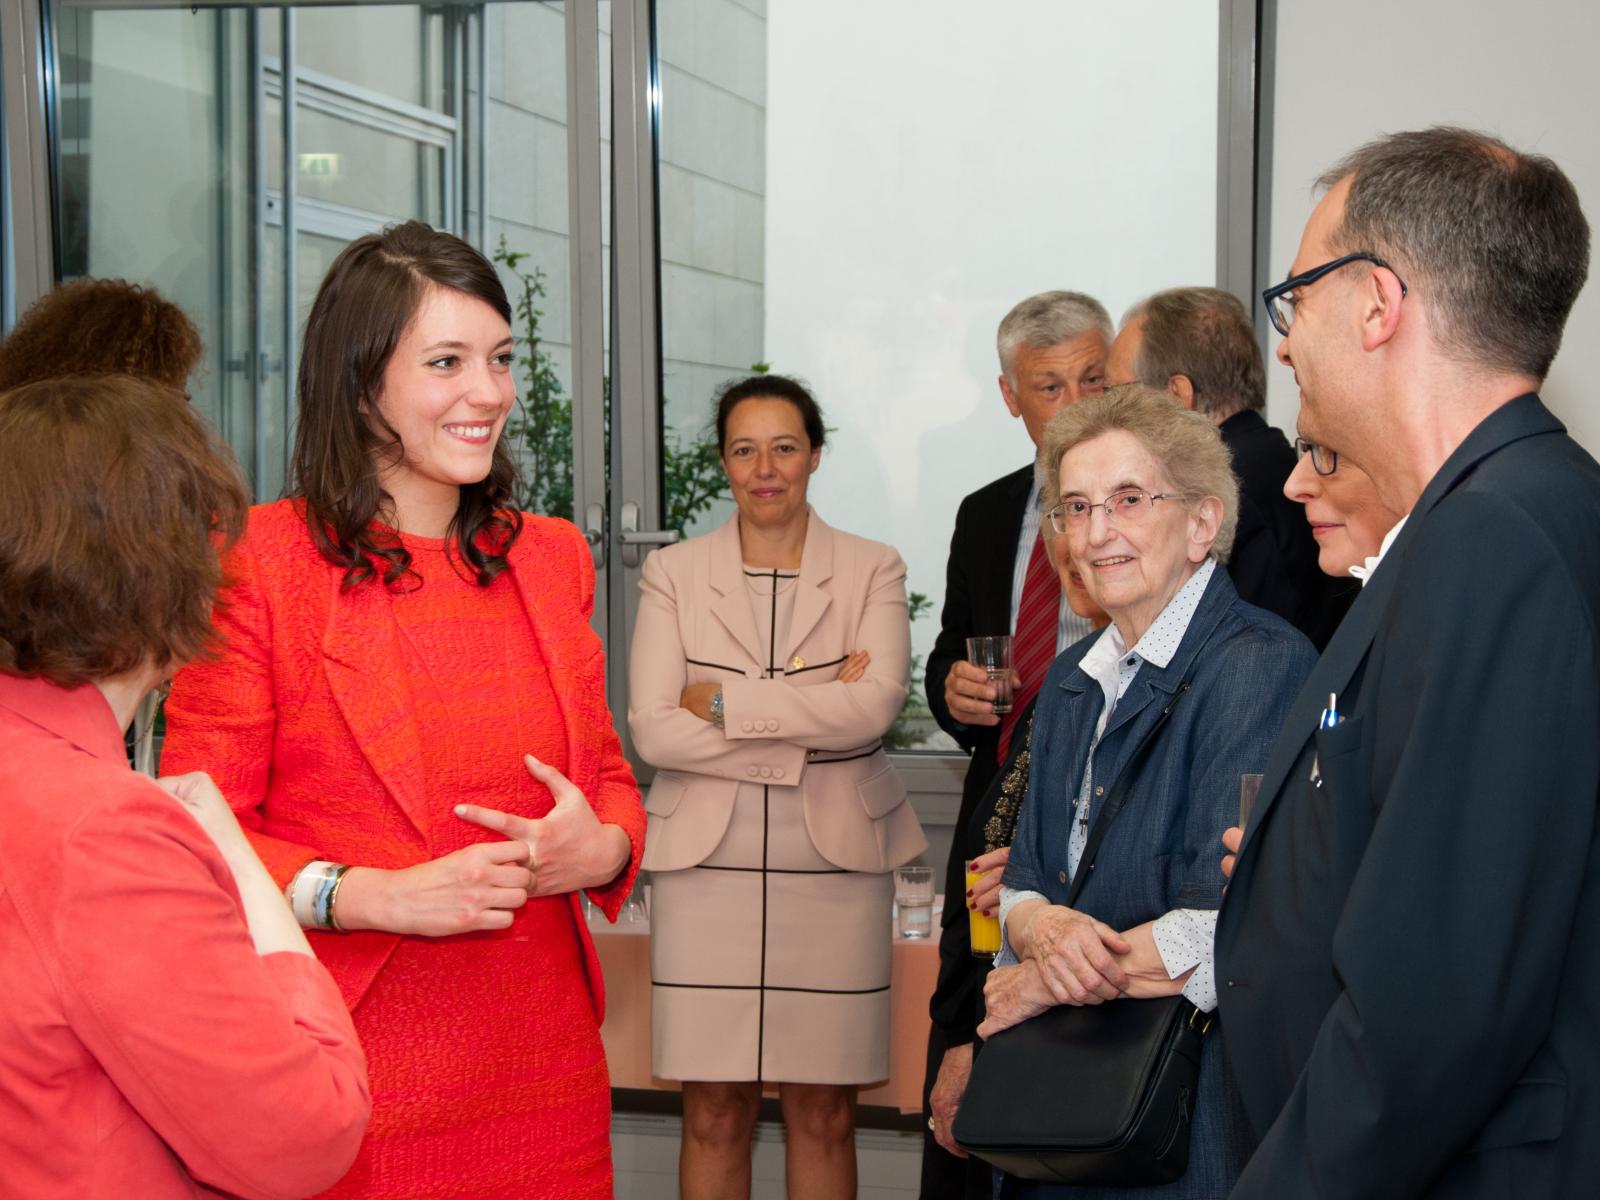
pixel 1164 710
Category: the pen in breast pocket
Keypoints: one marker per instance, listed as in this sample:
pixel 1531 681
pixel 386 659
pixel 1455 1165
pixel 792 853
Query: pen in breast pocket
pixel 1330 715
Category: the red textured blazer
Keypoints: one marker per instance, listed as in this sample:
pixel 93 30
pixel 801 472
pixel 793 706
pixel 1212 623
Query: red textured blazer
pixel 308 726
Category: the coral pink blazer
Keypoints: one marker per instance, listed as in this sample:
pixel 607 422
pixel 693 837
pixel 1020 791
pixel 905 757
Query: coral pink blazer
pixel 309 728
pixel 146 1049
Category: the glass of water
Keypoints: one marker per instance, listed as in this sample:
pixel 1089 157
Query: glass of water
pixel 993 654
pixel 913 902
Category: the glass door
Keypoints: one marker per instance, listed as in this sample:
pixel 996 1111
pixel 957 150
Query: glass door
pixel 225 155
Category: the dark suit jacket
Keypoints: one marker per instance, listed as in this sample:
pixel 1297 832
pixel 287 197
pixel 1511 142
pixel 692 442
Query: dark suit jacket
pixel 977 601
pixel 1408 953
pixel 1274 560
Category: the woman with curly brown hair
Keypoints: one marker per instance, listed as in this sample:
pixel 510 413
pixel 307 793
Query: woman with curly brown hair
pixel 101 327
pixel 162 1008
pixel 410 663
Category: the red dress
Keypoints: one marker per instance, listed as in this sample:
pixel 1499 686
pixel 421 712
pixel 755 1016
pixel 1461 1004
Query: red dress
pixel 348 724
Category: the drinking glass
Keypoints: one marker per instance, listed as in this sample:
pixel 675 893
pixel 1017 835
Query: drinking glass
pixel 913 901
pixel 993 654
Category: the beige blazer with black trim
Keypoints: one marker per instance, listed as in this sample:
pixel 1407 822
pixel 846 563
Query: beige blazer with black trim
pixel 800 728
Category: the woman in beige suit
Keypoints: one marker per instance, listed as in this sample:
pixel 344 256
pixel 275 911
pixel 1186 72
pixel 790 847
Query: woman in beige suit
pixel 768 660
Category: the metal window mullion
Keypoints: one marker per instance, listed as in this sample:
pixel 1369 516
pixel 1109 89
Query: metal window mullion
pixel 477 150
pixel 24 59
pixel 258 253
pixel 635 297
pixel 1236 134
pixel 288 110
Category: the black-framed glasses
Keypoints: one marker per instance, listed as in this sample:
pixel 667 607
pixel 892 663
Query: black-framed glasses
pixel 1280 298
pixel 1323 460
pixel 1128 505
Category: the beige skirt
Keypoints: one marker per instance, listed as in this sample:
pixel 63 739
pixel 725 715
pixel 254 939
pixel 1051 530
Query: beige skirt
pixel 767 961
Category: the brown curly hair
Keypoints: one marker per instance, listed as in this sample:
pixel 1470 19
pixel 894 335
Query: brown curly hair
pixel 101 327
pixel 115 502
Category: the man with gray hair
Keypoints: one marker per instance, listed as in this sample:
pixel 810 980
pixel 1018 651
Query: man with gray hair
pixel 1052 350
pixel 1408 954
pixel 1197 344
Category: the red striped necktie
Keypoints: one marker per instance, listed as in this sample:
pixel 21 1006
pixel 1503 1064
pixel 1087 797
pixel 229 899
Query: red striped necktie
pixel 1033 646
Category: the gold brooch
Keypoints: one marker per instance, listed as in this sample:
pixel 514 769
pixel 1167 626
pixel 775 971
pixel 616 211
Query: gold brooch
pixel 798 663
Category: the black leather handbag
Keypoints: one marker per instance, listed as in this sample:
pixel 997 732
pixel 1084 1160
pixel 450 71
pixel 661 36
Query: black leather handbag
pixel 1098 1095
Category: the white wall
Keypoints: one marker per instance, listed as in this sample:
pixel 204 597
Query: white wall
pixel 931 162
pixel 1347 72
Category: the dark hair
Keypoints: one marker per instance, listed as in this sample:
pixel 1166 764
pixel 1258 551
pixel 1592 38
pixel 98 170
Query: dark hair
pixel 771 387
pixel 367 301
pixel 101 327
pixel 115 502
pixel 1205 334
pixel 1493 241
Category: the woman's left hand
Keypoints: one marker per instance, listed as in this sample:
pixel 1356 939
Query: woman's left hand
pixel 568 848
pixel 697 699
pixel 1011 995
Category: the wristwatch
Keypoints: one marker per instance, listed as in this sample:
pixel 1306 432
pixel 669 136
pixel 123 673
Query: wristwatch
pixel 717 718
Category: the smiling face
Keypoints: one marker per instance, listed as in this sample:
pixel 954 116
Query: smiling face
pixel 447 390
pixel 1347 517
pixel 769 461
pixel 1134 564
pixel 1043 382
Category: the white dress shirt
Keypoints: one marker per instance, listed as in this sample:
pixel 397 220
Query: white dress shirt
pixel 1185 936
pixel 1364 572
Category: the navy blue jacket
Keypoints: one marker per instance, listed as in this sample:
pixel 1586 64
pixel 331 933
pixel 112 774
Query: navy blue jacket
pixel 1228 683
pixel 1409 956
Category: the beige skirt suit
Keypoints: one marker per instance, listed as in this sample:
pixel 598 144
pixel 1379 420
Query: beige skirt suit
pixel 770 840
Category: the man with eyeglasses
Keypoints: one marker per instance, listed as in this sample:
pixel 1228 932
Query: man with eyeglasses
pixel 1410 947
pixel 1052 350
pixel 1197 345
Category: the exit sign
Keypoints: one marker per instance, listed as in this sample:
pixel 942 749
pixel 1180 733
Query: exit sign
pixel 322 166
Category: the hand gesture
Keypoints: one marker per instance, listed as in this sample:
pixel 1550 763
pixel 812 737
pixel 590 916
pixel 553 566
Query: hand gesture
pixel 478 887
pixel 1012 995
pixel 1075 954
pixel 568 848
pixel 984 894
pixel 206 803
pixel 969 695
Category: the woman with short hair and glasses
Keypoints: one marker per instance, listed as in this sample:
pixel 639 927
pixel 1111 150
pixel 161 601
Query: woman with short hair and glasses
pixel 1168 706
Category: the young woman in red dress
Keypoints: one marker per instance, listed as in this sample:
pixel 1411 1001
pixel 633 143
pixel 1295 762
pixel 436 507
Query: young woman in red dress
pixel 410 718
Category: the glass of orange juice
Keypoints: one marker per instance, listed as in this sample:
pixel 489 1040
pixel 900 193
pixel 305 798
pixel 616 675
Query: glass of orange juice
pixel 985 930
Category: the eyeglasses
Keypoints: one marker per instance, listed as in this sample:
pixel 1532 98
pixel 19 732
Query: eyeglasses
pixel 1323 460
pixel 1280 298
pixel 1128 507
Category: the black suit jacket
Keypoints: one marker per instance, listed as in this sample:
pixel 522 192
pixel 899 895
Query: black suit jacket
pixel 977 601
pixel 1274 560
pixel 1409 951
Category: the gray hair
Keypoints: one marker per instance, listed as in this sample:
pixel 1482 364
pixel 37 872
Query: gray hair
pixel 1186 444
pixel 1492 240
pixel 1203 333
pixel 1049 319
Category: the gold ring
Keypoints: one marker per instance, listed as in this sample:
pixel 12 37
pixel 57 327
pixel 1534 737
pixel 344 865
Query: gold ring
pixel 930 1125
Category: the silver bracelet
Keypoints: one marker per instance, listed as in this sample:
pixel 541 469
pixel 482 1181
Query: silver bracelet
pixel 717 717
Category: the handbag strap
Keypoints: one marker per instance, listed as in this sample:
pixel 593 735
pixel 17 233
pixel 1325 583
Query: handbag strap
pixel 1118 798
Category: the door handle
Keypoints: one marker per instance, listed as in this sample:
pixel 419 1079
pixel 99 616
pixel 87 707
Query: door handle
pixel 632 537
pixel 594 523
